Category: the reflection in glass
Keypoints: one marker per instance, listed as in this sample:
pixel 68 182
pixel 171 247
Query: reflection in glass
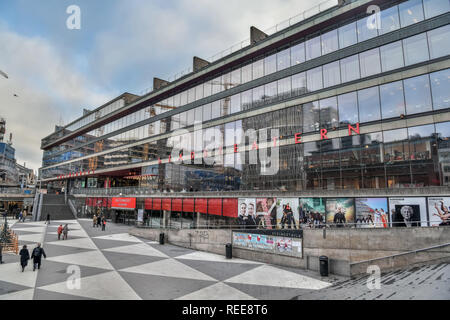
pixel 438 40
pixel 331 74
pixel 270 64
pixel 246 73
pixel 369 105
pixel 313 48
pixel 349 68
pixel 417 94
pixel 298 54
pixel 311 117
pixel 329 42
pixel 363 31
pixel 440 84
pixel 392 102
pixel 347 35
pixel 435 7
pixel 389 20
pixel 415 49
pixel 258 69
pixel 328 113
pixel 284 59
pixel 314 79
pixel 410 12
pixel 348 108
pixel 299 83
pixel 391 56
pixel 370 62
pixel 284 87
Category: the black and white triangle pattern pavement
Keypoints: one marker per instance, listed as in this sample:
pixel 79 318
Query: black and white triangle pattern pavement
pixel 114 265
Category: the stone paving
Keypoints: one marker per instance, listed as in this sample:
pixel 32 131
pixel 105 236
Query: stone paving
pixel 116 265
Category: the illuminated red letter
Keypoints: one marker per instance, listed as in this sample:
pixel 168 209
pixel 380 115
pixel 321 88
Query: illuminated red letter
pixel 298 137
pixel 323 134
pixel 350 129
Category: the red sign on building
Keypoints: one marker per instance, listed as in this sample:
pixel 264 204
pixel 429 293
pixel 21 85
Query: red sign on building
pixel 123 203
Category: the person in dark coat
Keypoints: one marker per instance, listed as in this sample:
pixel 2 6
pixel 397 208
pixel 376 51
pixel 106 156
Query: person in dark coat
pixel 1 254
pixel 103 224
pixel 48 219
pixel 37 254
pixel 24 257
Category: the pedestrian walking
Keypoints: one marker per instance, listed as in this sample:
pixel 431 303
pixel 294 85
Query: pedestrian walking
pixel 65 231
pixel 48 219
pixel 20 216
pixel 59 231
pixel 37 254
pixel 99 221
pixel 103 224
pixel 94 221
pixel 24 257
pixel 24 215
pixel 1 254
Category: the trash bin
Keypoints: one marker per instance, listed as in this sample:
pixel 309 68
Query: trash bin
pixel 323 260
pixel 161 238
pixel 228 251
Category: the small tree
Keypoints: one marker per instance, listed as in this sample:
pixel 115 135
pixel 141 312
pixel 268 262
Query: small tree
pixel 5 235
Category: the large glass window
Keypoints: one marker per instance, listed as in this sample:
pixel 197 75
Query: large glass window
pixel 349 68
pixel 347 35
pixel 410 12
pixel 389 20
pixel 440 84
pixel 330 42
pixel 283 59
pixel 235 103
pixel 392 101
pixel 270 64
pixel 246 73
pixel 246 99
pixel 235 78
pixel 215 109
pixel 313 48
pixel 270 91
pixel 395 145
pixel 369 105
pixel 348 108
pixel 284 87
pixel 438 40
pixel 258 95
pixel 311 116
pixel 298 54
pixel 415 49
pixel 314 79
pixel 258 69
pixel 370 62
pixel 299 83
pixel 435 7
pixel 207 112
pixel 417 94
pixel 328 113
pixel 364 32
pixel 331 74
pixel 391 56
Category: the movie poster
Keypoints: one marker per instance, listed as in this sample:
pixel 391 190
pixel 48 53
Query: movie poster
pixel 372 212
pixel 287 213
pixel 408 212
pixel 340 212
pixel 312 211
pixel 247 213
pixel 439 211
pixel 266 213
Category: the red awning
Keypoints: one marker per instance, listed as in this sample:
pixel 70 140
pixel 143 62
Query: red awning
pixel 201 205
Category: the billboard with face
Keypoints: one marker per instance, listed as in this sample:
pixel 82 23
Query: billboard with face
pixel 340 212
pixel 408 212
pixel 288 213
pixel 266 213
pixel 439 211
pixel 247 212
pixel 371 212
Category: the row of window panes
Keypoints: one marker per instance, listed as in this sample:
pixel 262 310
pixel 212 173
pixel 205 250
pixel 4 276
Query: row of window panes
pixel 391 19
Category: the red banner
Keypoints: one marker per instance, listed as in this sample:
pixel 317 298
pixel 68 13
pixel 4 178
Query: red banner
pixel 230 207
pixel 176 205
pixel 148 204
pixel 167 204
pixel 201 205
pixel 215 206
pixel 123 203
pixel 188 205
pixel 156 204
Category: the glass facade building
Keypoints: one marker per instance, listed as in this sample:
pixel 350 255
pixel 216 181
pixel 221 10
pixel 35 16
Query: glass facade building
pixel 331 105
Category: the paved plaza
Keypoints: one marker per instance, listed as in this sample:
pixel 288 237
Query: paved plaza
pixel 116 265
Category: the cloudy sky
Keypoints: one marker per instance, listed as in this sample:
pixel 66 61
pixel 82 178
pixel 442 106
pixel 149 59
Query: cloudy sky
pixel 122 44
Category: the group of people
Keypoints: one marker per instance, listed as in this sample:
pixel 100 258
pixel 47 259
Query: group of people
pixel 63 230
pixel 98 221
pixel 22 215
pixel 36 255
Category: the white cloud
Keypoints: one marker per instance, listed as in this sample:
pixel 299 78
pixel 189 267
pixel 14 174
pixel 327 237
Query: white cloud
pixel 48 88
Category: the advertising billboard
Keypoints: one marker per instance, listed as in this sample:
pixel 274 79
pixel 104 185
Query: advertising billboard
pixel 408 212
pixel 247 213
pixel 287 213
pixel 266 213
pixel 312 211
pixel 438 210
pixel 372 212
pixel 123 203
pixel 340 211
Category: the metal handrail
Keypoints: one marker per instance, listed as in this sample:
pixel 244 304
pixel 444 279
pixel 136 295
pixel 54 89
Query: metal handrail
pixel 401 254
